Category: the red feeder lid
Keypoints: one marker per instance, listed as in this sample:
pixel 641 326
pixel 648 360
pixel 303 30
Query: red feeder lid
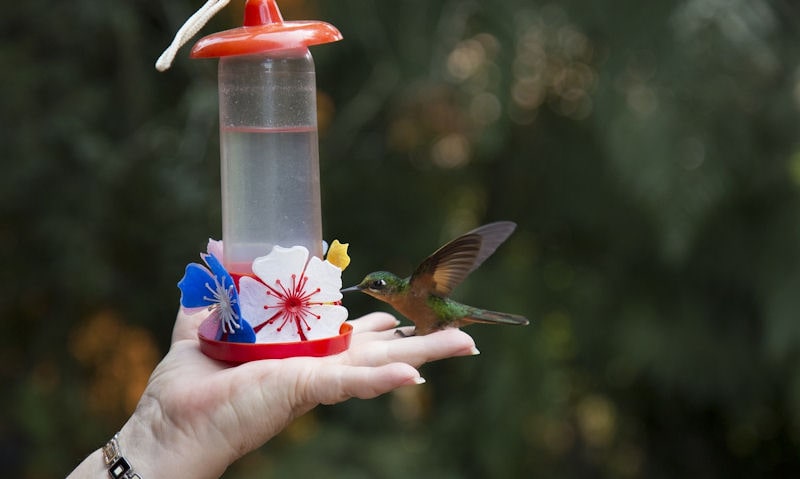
pixel 264 30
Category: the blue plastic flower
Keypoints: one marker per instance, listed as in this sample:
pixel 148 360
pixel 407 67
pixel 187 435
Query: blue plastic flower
pixel 213 288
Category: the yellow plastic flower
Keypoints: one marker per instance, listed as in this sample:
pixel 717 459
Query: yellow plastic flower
pixel 337 255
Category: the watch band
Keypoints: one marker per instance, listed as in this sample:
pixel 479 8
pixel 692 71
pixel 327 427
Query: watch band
pixel 118 466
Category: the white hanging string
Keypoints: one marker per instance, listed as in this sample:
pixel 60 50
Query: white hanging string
pixel 188 30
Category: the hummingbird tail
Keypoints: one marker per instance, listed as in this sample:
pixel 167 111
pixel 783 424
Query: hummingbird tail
pixel 494 317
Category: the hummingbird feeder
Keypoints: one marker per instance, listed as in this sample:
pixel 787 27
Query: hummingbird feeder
pixel 269 285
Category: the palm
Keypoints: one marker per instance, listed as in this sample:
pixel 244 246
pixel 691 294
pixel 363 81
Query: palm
pixel 232 410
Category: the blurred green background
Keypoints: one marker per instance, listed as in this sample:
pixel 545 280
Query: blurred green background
pixel 649 152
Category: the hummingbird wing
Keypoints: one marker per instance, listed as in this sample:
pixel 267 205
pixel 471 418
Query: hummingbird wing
pixel 448 266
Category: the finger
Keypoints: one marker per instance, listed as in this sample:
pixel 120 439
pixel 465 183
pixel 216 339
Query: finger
pixel 186 324
pixel 336 384
pixel 377 321
pixel 387 335
pixel 414 350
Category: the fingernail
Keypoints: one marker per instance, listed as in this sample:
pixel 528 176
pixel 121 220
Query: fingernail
pixel 474 351
pixel 419 380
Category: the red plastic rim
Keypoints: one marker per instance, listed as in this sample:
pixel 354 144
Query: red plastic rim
pixel 254 40
pixel 264 31
pixel 243 352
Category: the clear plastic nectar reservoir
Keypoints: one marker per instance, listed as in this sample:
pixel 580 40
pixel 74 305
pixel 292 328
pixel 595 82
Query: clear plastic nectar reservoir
pixel 269 155
pixel 268 133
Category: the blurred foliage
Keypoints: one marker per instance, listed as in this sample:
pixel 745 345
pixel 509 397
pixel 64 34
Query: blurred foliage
pixel 648 150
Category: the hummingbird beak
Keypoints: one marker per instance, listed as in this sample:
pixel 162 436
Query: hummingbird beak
pixel 350 289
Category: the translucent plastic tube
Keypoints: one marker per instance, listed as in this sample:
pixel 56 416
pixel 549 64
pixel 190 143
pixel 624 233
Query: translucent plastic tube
pixel 270 155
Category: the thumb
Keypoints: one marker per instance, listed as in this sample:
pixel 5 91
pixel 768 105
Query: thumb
pixel 187 322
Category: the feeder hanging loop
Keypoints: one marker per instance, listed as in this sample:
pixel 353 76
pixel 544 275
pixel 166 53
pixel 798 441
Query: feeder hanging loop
pixel 188 30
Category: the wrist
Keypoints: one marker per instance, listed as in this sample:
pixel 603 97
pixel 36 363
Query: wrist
pixel 155 449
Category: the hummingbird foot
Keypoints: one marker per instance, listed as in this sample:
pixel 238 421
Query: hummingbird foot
pixel 403 334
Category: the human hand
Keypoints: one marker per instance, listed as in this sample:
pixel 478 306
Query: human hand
pixel 198 415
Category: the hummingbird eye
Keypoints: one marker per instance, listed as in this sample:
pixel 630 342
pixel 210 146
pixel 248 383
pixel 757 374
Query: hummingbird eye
pixel 377 285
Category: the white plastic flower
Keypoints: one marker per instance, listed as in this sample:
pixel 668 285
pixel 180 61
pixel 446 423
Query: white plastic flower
pixel 297 299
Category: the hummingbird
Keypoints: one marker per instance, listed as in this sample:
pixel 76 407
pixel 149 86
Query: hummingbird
pixel 423 297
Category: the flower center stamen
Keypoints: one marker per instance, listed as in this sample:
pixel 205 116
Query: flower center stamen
pixel 222 300
pixel 293 305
